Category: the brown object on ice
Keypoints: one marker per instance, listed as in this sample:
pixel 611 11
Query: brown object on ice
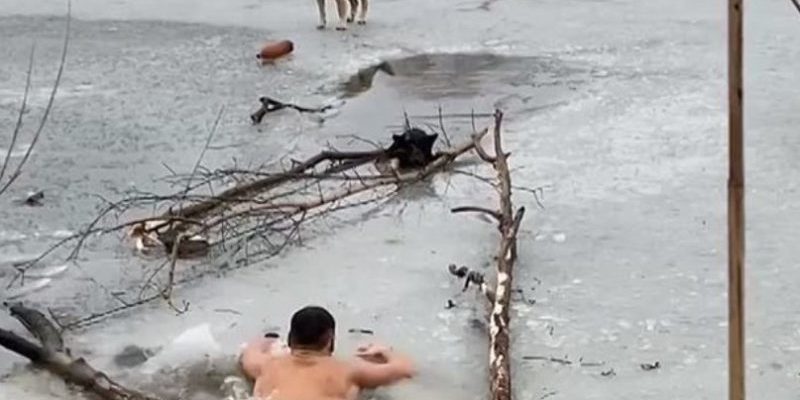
pixel 274 50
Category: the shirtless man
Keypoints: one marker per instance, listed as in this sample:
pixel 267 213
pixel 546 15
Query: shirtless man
pixel 307 370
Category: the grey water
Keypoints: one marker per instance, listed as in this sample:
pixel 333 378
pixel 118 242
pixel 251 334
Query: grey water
pixel 616 109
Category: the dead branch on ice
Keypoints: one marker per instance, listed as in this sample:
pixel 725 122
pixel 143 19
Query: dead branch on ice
pixel 51 354
pixel 508 223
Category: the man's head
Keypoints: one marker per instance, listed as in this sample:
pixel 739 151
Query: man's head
pixel 312 328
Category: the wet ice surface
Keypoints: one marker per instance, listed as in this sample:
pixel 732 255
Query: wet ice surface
pixel 626 263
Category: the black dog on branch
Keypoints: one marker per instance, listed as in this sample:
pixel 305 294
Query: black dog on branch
pixel 412 149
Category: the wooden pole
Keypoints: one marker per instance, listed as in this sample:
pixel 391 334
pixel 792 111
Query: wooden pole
pixel 736 238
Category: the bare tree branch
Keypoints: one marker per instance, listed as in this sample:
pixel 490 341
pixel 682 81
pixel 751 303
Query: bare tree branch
pixel 47 109
pixel 203 152
pixel 442 128
pixel 481 152
pixel 22 109
pixel 492 213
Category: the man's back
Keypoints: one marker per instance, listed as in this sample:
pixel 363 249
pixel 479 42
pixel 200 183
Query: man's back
pixel 305 377
pixel 307 370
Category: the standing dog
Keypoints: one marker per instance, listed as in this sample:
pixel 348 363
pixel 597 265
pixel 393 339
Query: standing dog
pixel 344 18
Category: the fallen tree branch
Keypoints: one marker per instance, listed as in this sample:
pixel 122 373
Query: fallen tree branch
pixel 499 359
pixel 52 355
pixel 269 105
pixel 198 210
pixel 508 223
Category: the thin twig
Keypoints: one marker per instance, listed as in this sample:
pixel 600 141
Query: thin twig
pixel 471 115
pixel 18 125
pixel 444 131
pixel 167 291
pixel 481 152
pixel 49 107
pixel 556 360
pixel 98 316
pixel 205 148
pixel 492 213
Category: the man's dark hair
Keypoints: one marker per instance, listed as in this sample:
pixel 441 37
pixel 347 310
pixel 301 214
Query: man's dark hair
pixel 311 328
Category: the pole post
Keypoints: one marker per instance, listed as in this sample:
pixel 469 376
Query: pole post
pixel 736 217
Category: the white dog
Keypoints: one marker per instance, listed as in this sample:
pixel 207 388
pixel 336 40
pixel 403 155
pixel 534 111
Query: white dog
pixel 344 16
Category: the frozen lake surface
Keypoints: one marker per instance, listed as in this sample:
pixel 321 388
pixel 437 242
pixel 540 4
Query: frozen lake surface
pixel 615 107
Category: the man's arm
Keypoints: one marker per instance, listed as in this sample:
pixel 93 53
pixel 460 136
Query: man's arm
pixel 380 366
pixel 254 354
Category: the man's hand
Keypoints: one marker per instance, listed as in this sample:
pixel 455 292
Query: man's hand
pixel 374 353
pixel 380 366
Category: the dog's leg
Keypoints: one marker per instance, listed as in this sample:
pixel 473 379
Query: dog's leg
pixel 341 6
pixel 353 10
pixel 322 17
pixel 364 7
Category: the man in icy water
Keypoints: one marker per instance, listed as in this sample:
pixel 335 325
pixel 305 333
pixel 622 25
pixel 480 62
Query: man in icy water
pixel 307 370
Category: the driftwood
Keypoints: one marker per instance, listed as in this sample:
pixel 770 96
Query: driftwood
pixel 51 354
pixel 508 222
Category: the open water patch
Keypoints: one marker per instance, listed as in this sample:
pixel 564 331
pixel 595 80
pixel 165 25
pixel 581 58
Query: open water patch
pixel 459 83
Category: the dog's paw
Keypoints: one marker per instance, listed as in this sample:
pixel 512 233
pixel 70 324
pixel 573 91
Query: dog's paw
pixel 341 28
pixel 362 22
pixel 350 20
pixel 321 26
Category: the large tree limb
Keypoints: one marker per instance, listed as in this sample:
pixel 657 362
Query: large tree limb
pixel 51 355
pixel 197 210
pixel 508 223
